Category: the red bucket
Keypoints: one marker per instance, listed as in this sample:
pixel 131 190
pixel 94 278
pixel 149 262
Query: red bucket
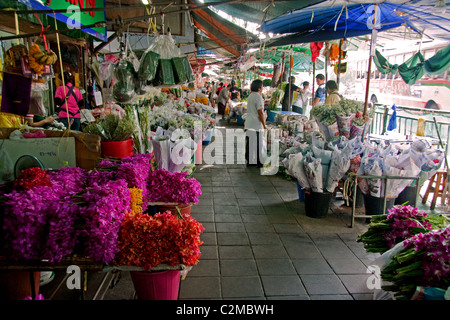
pixel 162 285
pixel 117 149
pixel 185 209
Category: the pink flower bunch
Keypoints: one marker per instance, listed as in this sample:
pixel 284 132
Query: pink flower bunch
pixel 403 221
pixel 25 221
pixel 101 215
pixel 147 241
pixel 68 181
pixel 173 187
pixel 434 251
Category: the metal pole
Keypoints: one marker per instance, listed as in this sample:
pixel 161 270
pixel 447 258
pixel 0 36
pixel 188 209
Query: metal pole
pixel 370 66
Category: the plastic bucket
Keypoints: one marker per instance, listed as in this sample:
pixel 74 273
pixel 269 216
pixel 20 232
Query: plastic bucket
pixel 317 204
pixel 161 285
pixel 374 205
pixel 117 149
pixel 240 121
pixel 184 209
pixel 301 193
pixel 408 195
pixel 208 136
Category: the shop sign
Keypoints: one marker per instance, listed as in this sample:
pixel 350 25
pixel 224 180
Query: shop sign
pixel 74 18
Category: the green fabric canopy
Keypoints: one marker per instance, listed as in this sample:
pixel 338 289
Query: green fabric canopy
pixel 415 67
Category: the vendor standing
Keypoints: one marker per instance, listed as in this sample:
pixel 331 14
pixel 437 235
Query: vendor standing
pixel 222 100
pixel 69 101
pixel 288 95
pixel 320 95
pixel 333 96
pixel 255 123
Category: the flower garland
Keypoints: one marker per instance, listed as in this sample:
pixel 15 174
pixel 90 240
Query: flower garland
pixel 402 222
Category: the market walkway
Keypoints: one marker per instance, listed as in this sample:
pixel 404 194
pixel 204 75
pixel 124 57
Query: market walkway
pixel 259 244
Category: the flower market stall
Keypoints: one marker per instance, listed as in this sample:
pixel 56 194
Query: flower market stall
pixel 339 153
pixel 100 218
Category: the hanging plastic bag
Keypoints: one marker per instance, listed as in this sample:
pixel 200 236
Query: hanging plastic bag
pixel 123 89
pixel 392 125
pixel 6 167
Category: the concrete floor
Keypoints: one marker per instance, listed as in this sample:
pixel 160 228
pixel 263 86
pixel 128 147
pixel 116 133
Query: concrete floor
pixel 260 244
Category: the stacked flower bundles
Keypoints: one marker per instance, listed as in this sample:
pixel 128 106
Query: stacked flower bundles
pixel 68 216
pixel 402 222
pixel 173 187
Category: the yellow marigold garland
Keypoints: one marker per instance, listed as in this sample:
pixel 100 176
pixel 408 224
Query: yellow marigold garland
pixel 136 200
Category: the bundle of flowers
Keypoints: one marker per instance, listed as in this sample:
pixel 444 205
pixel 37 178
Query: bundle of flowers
pixel 134 170
pixel 148 241
pixel 68 180
pixel 25 222
pixel 423 260
pixel 173 187
pixel 402 222
pixel 68 216
pixel 102 210
pixel 31 177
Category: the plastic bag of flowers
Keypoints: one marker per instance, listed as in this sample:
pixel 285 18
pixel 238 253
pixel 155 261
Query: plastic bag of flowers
pixel 422 260
pixel 402 222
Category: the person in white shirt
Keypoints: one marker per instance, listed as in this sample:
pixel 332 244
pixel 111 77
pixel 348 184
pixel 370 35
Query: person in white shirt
pixel 255 123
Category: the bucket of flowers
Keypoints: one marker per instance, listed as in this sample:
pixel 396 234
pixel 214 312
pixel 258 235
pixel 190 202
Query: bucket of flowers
pixel 157 248
pixel 173 191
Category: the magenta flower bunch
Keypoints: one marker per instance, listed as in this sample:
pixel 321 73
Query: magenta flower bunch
pixel 173 187
pixel 25 221
pixel 102 210
pixel 68 180
pixel 423 261
pixel 402 222
pixel 134 170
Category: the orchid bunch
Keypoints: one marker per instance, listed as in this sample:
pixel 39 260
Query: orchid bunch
pixel 102 211
pixel 24 221
pixel 173 187
pixel 148 241
pixel 424 260
pixel 68 180
pixel 402 222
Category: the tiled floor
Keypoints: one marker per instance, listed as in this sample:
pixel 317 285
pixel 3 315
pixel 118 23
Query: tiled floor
pixel 260 244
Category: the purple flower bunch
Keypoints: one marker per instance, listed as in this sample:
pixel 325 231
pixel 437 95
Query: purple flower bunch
pixel 68 180
pixel 403 221
pixel 25 221
pixel 101 215
pixel 173 187
pixel 62 215
pixel 435 252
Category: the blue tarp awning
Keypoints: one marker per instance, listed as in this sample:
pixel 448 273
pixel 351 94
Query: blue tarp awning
pixel 320 23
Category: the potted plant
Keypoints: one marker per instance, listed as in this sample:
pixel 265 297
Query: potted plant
pixel 116 134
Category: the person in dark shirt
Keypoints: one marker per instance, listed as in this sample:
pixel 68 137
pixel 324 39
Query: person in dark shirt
pixel 287 98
